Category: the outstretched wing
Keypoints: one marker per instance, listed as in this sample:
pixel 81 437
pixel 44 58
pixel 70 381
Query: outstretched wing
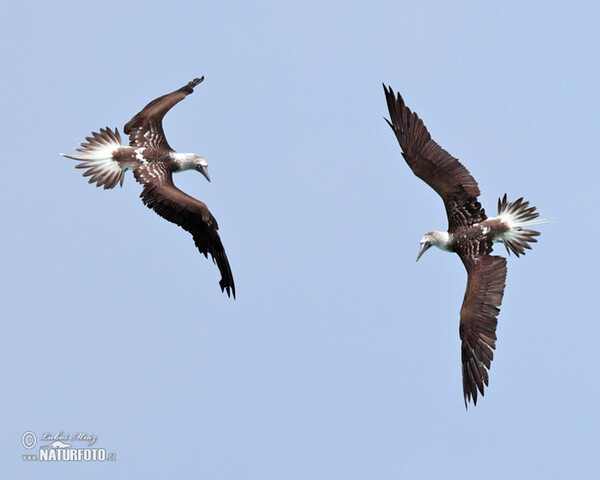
pixel 145 128
pixel 478 319
pixel 434 165
pixel 162 196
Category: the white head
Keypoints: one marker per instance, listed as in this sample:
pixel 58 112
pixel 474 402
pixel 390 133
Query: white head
pixel 191 161
pixel 435 239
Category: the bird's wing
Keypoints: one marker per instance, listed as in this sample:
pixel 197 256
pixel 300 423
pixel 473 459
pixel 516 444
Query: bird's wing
pixel 161 195
pixel 434 165
pixel 145 128
pixel 478 319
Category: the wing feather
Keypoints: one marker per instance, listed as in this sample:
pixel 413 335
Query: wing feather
pixel 478 320
pixel 145 128
pixel 161 195
pixel 434 165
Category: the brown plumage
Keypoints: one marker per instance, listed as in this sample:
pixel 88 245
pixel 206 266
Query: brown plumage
pixel 153 162
pixel 434 165
pixel 145 128
pixel 470 234
pixel 161 195
pixel 478 319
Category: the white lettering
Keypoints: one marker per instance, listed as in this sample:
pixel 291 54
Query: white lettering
pixel 72 454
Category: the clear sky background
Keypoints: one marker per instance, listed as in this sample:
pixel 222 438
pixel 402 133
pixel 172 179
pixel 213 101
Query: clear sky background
pixel 340 358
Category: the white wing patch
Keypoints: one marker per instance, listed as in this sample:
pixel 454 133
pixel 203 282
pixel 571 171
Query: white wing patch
pixel 139 154
pixel 155 170
pixel 150 136
pixel 150 171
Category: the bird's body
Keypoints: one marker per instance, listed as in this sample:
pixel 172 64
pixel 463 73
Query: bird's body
pixel 471 235
pixel 153 162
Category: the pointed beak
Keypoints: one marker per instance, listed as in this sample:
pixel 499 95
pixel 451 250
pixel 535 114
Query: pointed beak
pixel 204 171
pixel 424 247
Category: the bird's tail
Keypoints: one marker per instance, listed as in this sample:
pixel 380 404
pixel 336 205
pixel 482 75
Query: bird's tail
pixel 97 157
pixel 517 216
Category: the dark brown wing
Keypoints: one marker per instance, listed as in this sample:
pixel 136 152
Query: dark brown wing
pixel 478 319
pixel 434 165
pixel 162 196
pixel 145 128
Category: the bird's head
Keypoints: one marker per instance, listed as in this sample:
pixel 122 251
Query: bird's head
pixel 191 161
pixel 440 240
pixel 426 241
pixel 201 166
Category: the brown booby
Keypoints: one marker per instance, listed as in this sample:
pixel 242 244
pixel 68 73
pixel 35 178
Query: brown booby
pixel 471 234
pixel 153 163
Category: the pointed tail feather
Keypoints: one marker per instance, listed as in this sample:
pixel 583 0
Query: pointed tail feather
pixel 97 157
pixel 517 216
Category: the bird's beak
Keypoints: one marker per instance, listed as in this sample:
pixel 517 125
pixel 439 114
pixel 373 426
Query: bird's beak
pixel 424 247
pixel 204 171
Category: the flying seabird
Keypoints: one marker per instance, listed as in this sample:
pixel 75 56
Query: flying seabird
pixel 153 163
pixel 471 234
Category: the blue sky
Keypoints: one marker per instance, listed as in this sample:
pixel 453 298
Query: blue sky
pixel 340 357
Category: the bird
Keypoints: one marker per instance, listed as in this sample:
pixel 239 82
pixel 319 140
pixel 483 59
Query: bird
pixel 471 235
pixel 149 156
